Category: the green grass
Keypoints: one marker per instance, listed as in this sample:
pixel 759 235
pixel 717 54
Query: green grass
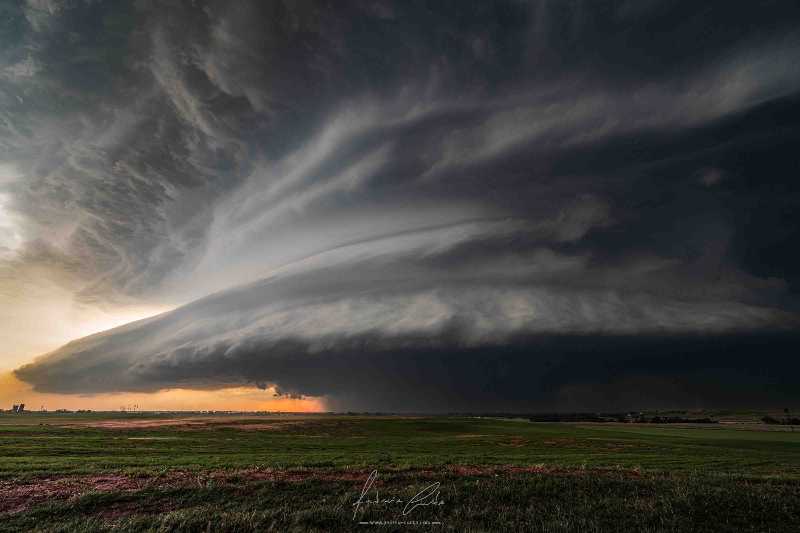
pixel 305 473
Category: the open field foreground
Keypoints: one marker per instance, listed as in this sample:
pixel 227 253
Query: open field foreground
pixel 134 472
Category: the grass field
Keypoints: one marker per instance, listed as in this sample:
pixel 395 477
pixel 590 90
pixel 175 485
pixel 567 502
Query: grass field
pixel 135 472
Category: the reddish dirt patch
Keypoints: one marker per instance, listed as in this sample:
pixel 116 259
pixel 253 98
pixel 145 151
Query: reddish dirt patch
pixel 40 489
pixel 128 424
pixel 53 488
pixel 316 427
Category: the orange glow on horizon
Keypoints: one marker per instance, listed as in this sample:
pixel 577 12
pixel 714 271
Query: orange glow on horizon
pixel 14 391
pixel 39 330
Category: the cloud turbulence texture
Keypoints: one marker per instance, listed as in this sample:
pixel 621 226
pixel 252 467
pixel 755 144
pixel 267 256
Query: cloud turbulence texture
pixel 409 205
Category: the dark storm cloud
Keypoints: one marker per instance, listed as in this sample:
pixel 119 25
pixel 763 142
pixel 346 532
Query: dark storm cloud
pixel 360 308
pixel 462 178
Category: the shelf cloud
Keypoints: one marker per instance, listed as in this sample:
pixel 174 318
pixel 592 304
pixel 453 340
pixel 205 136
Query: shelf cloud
pixel 443 290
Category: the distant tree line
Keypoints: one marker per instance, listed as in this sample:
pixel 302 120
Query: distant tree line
pixel 769 420
pixel 787 421
pixel 637 418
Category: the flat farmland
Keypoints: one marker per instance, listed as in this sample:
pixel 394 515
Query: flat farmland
pixel 142 472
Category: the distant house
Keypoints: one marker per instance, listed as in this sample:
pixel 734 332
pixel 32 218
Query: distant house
pixel 15 408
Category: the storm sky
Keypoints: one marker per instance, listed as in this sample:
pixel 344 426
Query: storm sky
pixel 397 206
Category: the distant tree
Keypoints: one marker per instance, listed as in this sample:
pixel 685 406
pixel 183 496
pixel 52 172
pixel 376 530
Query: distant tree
pixel 789 419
